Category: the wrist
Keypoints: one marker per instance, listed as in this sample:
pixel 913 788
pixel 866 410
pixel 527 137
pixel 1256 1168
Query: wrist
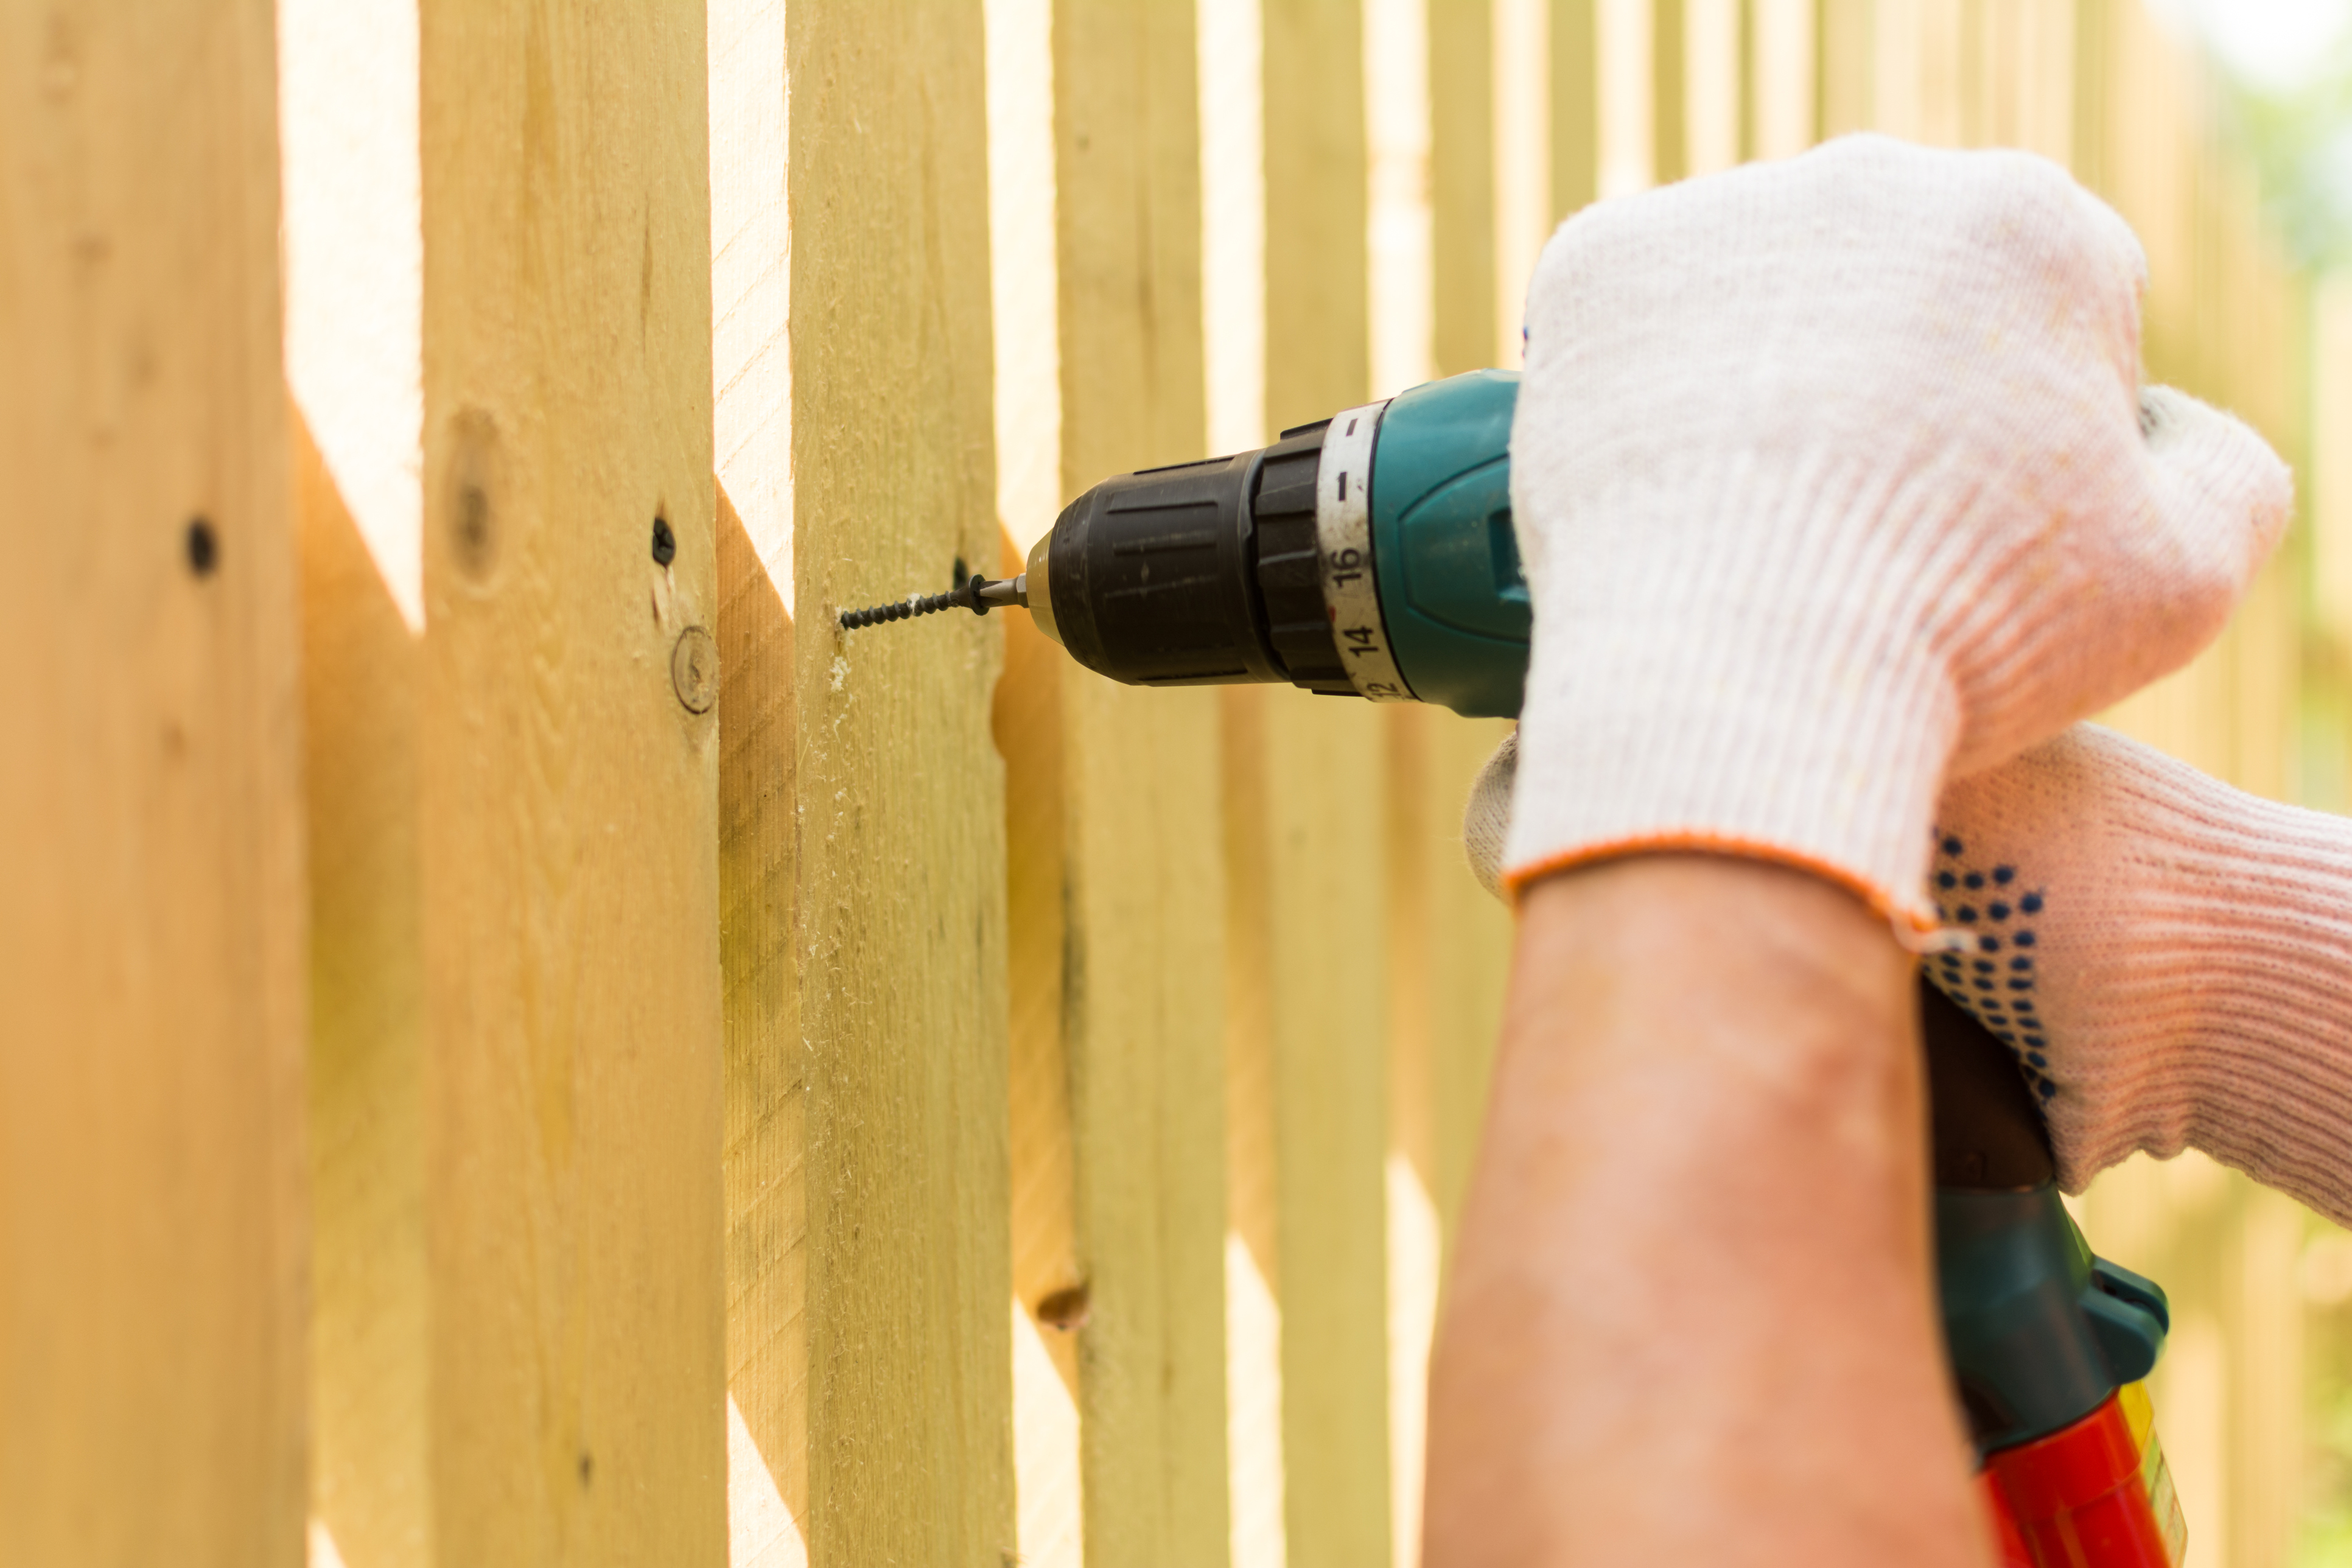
pixel 1699 1205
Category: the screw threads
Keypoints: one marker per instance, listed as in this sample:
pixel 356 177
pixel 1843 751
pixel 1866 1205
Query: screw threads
pixel 964 597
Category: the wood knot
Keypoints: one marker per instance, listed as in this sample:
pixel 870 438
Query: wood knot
pixel 1065 1309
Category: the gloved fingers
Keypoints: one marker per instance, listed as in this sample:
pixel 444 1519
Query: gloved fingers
pixel 1487 816
pixel 2223 495
pixel 2115 240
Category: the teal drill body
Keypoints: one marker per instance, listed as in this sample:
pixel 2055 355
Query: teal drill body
pixel 1451 586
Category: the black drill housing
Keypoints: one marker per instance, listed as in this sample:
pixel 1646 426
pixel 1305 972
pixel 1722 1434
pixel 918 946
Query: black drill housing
pixel 1200 573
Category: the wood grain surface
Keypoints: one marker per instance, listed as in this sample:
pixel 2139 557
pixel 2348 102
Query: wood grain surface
pixel 151 1224
pixel 514 813
pixel 569 770
pixel 901 865
pixel 1142 994
pixel 1320 811
pixel 766 1068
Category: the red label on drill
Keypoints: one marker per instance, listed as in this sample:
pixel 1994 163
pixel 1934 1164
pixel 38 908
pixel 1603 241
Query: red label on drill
pixel 2095 1495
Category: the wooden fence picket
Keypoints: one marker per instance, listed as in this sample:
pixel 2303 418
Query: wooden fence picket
pixel 151 1216
pixel 510 604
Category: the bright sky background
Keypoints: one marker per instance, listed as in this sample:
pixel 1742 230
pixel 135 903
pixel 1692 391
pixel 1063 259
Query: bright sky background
pixel 2273 43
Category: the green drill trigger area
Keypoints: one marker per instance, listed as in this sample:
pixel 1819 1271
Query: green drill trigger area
pixel 1452 592
pixel 2040 1331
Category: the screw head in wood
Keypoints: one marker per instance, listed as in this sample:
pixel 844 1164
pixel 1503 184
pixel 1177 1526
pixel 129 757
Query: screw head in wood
pixel 694 670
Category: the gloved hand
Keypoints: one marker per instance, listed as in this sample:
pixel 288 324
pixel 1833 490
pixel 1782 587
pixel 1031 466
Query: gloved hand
pixel 1832 476
pixel 2170 958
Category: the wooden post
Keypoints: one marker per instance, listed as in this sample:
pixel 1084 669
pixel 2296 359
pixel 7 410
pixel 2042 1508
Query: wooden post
pixel 1318 829
pixel 151 1226
pixel 1142 999
pixel 1117 903
pixel 766 1070
pixel 1575 105
pixel 901 864
pixel 511 683
pixel 1843 50
pixel 1461 186
pixel 1669 97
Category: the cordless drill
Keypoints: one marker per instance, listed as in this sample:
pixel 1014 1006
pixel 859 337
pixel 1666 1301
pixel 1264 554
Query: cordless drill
pixel 1371 554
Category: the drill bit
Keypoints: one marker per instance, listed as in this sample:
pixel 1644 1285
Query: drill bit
pixel 979 595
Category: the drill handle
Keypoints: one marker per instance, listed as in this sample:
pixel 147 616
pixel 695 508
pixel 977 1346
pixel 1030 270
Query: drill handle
pixel 1988 1134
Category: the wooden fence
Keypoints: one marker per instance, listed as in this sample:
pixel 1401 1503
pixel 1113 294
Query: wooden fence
pixel 524 1045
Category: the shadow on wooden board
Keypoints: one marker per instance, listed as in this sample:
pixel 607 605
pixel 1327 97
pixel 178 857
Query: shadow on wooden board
pixel 369 1463
pixel 767 1104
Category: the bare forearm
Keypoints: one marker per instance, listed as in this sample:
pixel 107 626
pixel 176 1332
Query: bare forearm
pixel 1691 1319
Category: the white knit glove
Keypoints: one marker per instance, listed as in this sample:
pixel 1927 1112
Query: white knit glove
pixel 2171 958
pixel 1832 476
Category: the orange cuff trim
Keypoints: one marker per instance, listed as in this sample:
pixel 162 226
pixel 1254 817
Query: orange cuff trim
pixel 1918 921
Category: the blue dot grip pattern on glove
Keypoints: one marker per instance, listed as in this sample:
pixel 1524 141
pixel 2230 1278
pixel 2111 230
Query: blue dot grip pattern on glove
pixel 1995 980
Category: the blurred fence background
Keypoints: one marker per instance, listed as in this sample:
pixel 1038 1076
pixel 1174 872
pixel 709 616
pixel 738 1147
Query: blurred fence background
pixel 483 1084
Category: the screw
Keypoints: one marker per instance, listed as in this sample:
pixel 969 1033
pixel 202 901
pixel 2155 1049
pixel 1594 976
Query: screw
pixel 204 548
pixel 976 593
pixel 665 542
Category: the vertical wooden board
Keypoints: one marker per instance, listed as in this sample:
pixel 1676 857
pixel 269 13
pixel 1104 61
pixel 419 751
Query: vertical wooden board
pixel 1474 961
pixel 1254 1399
pixel 2329 498
pixel 2092 75
pixel 371 1490
pixel 567 769
pixel 1412 1242
pixel 766 1097
pixel 902 830
pixel 1669 94
pixel 1448 945
pixel 1461 183
pixel 766 1087
pixel 1520 70
pixel 1049 1284
pixel 1322 817
pixel 1024 285
pixel 1575 105
pixel 1147 1087
pixel 1141 996
pixel 1317 360
pixel 1844 49
pixel 2266 1332
pixel 152 1238
pixel 1325 813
